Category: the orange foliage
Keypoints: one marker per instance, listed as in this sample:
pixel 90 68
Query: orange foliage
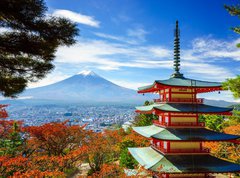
pixel 49 165
pixel 37 173
pixel 3 112
pixel 6 127
pixel 235 129
pixel 56 138
pixel 109 170
pixel 99 148
pixel 226 150
pixel 138 139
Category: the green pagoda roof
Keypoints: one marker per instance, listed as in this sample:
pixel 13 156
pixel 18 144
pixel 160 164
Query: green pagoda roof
pixel 182 107
pixel 187 134
pixel 184 82
pixel 155 161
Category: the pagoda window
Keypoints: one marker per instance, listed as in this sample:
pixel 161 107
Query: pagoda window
pixel 160 119
pixel 161 97
pixel 165 145
pixel 167 96
pixel 166 119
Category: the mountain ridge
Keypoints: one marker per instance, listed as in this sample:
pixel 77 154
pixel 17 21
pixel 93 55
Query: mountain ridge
pixel 84 86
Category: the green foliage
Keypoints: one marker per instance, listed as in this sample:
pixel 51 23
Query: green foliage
pixel 126 159
pixel 213 122
pixel 232 120
pixel 144 119
pixel 234 10
pixel 233 85
pixel 218 123
pixel 12 144
pixel 28 45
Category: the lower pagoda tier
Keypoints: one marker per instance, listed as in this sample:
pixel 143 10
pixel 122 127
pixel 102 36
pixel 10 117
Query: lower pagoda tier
pixel 183 134
pixel 174 164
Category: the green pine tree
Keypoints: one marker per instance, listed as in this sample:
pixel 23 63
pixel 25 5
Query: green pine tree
pixel 234 10
pixel 28 44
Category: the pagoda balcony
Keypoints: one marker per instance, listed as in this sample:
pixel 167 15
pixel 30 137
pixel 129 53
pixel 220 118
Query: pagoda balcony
pixel 180 151
pixel 178 124
pixel 180 100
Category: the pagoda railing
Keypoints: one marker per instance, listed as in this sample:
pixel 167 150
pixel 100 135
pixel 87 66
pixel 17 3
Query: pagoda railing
pixel 164 150
pixel 180 100
pixel 207 175
pixel 176 124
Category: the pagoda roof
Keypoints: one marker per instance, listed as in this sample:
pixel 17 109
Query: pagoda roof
pixel 155 161
pixel 188 134
pixel 183 107
pixel 180 82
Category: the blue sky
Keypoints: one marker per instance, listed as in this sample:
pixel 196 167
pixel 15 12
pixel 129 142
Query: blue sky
pixel 130 42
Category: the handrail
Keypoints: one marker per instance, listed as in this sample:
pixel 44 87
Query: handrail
pixel 180 100
pixel 200 150
pixel 201 124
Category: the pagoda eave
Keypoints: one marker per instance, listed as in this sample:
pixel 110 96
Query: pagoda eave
pixel 175 164
pixel 183 134
pixel 157 112
pixel 156 87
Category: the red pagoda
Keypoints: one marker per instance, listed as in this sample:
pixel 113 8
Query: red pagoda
pixel 177 136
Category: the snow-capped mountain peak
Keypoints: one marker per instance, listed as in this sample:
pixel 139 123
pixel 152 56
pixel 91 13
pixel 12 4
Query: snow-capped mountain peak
pixel 87 73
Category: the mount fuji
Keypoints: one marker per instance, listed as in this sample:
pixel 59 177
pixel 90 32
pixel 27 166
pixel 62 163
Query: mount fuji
pixel 85 86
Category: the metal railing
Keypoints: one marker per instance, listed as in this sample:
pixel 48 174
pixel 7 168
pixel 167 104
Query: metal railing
pixel 196 124
pixel 164 150
pixel 180 100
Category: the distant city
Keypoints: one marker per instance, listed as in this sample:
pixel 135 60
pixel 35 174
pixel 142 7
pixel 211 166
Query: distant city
pixel 97 117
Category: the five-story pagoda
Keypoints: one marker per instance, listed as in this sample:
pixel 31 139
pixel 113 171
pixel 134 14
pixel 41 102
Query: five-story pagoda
pixel 177 136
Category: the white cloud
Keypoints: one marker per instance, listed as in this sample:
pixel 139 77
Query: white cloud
pixel 112 56
pixel 129 84
pixel 212 48
pixel 107 55
pixel 77 17
pixel 138 33
pixel 160 51
pixel 117 38
pixel 206 71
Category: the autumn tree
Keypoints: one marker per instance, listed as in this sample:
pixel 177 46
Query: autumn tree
pixel 226 150
pixel 29 42
pixel 56 138
pixel 52 150
pixel 99 151
pixel 110 170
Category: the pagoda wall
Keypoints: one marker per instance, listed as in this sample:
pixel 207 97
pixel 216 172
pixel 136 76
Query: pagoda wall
pixel 181 96
pixel 185 145
pixel 175 94
pixel 183 119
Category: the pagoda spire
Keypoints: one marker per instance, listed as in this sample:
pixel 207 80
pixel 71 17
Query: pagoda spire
pixel 176 61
